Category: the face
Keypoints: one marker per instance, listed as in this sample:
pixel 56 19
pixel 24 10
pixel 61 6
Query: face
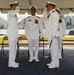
pixel 49 7
pixel 13 7
pixel 33 11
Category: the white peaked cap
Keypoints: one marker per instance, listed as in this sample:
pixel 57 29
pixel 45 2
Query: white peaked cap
pixel 32 6
pixel 48 3
pixel 15 2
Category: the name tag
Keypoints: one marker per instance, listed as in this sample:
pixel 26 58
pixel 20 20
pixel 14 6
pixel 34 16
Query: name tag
pixel 29 20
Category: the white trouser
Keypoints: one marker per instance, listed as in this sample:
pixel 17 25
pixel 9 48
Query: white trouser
pixel 33 43
pixel 54 52
pixel 12 49
pixel 60 46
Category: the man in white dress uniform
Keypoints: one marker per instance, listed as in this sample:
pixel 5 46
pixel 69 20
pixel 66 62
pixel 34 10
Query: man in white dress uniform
pixel 51 28
pixel 32 30
pixel 61 29
pixel 12 33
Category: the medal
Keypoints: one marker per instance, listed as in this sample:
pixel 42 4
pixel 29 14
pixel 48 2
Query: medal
pixel 36 21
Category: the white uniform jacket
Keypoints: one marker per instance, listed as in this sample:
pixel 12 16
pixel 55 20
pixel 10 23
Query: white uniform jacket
pixel 33 26
pixel 51 24
pixel 12 23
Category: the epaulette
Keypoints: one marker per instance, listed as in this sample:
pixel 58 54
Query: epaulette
pixel 50 14
pixel 28 16
pixel 53 11
pixel 38 17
